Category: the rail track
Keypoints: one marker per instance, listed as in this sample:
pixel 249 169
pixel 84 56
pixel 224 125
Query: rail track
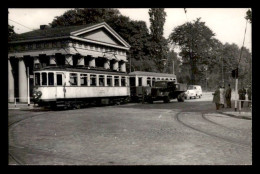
pixel 211 134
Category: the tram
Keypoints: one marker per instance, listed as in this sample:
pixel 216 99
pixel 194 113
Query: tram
pixel 74 87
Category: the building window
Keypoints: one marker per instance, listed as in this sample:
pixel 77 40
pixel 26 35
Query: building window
pixel 158 78
pixel 93 80
pixel 37 79
pixel 54 44
pixel 109 80
pixel 140 81
pixel 116 79
pixel 101 80
pixel 46 45
pixel 44 78
pixel 50 79
pixel 59 79
pixel 83 79
pixel 123 82
pixel 73 79
pixel 30 46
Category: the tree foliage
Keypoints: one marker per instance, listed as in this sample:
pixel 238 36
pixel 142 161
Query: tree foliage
pixel 159 46
pixel 11 32
pixel 196 42
pixel 249 15
pixel 204 59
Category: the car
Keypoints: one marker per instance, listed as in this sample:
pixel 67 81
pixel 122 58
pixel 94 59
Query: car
pixel 193 91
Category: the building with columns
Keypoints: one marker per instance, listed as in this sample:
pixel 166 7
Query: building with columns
pixel 93 46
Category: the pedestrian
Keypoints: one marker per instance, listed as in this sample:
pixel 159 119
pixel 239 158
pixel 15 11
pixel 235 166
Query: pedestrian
pixel 242 95
pixel 216 98
pixel 221 95
pixel 249 94
pixel 228 96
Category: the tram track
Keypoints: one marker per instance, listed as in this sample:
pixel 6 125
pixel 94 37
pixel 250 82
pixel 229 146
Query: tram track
pixel 210 134
pixel 11 125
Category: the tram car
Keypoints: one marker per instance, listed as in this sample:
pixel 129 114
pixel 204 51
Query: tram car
pixel 74 87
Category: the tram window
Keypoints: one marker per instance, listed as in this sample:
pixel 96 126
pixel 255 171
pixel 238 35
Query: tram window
pixel 116 80
pixel 44 78
pixel 140 81
pixel 158 78
pixel 149 81
pixel 109 80
pixel 132 81
pixel 59 79
pixel 101 80
pixel 123 81
pixel 37 79
pixel 50 79
pixel 83 79
pixel 73 79
pixel 93 80
pixel 153 81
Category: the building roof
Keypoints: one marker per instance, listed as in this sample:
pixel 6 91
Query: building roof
pixel 49 32
pixel 143 73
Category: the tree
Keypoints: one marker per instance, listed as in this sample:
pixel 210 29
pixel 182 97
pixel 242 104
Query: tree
pixel 196 42
pixel 80 16
pixel 11 32
pixel 158 42
pixel 249 16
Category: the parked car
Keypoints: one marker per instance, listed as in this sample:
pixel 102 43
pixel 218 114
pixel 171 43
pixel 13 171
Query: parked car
pixel 193 91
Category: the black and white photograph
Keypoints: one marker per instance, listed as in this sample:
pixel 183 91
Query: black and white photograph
pixel 129 86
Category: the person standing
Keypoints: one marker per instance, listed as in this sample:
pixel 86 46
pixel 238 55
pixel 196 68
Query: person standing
pixel 242 95
pixel 221 100
pixel 216 98
pixel 249 94
pixel 228 96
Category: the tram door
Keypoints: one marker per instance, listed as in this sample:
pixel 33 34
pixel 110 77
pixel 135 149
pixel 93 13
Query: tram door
pixel 60 90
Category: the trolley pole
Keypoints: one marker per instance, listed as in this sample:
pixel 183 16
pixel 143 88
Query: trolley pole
pixel 28 85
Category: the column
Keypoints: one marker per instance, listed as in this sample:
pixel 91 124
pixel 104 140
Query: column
pixel 115 65
pixel 22 81
pixel 52 60
pixel 106 64
pixel 68 59
pixel 92 62
pixel 10 83
pixel 123 67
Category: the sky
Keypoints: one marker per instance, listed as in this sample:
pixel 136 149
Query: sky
pixel 228 24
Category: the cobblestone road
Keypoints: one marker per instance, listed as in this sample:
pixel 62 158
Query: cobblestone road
pixel 189 133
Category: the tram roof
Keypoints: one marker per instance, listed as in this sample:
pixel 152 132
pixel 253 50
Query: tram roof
pixel 154 74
